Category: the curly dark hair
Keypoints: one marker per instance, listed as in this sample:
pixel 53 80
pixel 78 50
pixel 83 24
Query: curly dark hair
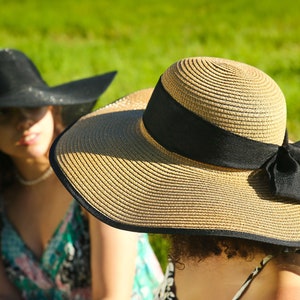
pixel 200 247
pixel 7 172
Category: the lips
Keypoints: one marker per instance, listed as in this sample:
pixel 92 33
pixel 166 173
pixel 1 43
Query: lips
pixel 28 139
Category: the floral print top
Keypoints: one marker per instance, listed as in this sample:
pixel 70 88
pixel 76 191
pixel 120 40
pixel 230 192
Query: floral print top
pixel 63 271
pixel 167 288
pixel 148 273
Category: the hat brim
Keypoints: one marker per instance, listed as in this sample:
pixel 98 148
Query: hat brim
pixel 75 92
pixel 115 170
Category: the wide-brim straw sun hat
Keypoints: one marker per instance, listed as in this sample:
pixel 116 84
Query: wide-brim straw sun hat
pixel 205 153
pixel 21 85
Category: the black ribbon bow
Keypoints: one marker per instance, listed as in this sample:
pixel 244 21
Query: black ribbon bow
pixel 283 170
pixel 181 131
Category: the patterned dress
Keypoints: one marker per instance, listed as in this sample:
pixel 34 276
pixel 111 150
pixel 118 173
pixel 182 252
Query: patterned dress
pixel 148 273
pixel 63 271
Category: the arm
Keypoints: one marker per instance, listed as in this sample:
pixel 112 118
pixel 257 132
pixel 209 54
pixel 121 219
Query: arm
pixel 113 255
pixel 288 278
pixel 7 290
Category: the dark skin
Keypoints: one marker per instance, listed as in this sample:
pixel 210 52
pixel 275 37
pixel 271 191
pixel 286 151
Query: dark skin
pixel 216 268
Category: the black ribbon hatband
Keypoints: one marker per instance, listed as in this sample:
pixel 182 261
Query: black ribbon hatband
pixel 181 131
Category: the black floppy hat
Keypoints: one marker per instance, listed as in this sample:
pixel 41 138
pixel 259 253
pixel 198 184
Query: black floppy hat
pixel 21 85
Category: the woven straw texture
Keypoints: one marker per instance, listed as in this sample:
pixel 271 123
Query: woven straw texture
pixel 119 173
pixel 232 95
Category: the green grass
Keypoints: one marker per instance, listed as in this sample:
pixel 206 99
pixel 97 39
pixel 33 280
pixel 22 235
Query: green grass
pixel 70 39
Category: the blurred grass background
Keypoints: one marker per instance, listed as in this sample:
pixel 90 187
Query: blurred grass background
pixel 71 39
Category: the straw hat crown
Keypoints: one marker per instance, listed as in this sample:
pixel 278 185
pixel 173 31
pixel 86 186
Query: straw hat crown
pixel 232 95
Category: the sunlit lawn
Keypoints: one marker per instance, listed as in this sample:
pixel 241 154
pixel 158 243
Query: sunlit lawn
pixel 70 39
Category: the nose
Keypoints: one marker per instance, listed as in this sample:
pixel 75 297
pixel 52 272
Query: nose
pixel 25 119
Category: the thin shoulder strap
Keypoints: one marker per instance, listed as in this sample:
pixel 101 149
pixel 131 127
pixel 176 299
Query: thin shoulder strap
pixel 255 272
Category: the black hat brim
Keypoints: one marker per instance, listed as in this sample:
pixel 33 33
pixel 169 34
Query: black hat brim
pixel 72 93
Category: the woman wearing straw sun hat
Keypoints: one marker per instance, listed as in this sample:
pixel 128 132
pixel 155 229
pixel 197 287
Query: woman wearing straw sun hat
pixel 50 247
pixel 205 160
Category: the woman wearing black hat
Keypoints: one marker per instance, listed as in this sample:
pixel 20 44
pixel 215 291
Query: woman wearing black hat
pixel 206 160
pixel 51 248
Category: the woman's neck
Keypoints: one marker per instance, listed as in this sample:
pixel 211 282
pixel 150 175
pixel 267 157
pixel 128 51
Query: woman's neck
pixel 220 278
pixel 31 169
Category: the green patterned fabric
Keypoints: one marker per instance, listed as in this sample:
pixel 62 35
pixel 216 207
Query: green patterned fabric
pixel 63 271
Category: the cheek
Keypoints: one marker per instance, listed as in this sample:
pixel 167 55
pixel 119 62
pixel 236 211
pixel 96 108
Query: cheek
pixel 48 126
pixel 6 139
